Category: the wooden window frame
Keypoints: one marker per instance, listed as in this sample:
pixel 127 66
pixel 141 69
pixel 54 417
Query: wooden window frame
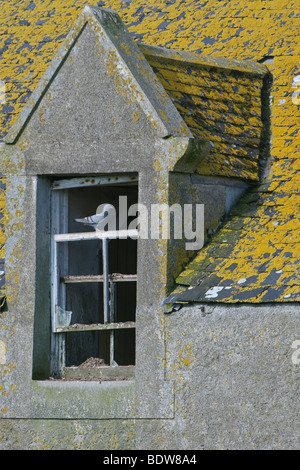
pixel 60 277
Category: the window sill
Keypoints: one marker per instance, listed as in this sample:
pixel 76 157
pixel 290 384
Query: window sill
pixel 102 373
pixel 82 399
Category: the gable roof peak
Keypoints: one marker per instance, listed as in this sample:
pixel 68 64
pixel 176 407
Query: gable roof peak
pixel 123 58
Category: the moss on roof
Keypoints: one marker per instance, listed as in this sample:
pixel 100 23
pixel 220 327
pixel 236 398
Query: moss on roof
pixel 255 256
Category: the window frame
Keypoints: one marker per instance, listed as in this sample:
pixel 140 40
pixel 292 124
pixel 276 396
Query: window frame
pixel 60 277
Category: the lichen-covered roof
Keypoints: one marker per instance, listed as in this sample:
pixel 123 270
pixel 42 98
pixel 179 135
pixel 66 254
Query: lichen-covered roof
pixel 219 99
pixel 255 256
pixel 30 34
pixel 221 102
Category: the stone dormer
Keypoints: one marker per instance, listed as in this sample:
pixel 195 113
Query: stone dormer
pixel 111 120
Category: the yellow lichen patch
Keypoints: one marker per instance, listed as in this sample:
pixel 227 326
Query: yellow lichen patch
pixel 4 410
pixel 157 165
pixel 185 356
pixel 126 48
pixel 163 115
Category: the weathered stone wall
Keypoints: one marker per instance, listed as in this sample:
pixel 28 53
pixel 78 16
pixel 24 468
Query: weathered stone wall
pixel 66 434
pixel 236 375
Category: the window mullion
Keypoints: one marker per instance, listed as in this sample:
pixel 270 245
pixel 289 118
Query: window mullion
pixel 112 292
pixel 59 220
pixel 105 280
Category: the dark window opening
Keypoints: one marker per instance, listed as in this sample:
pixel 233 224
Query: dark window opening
pixel 93 286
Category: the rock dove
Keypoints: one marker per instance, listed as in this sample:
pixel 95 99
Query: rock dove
pixel 95 220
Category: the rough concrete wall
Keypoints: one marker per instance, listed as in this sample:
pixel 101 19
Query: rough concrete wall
pixel 237 377
pixel 217 195
pixel 66 435
pixel 88 115
pixel 2 240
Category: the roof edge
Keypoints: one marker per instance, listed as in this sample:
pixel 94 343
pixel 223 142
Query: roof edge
pixel 45 81
pixel 200 60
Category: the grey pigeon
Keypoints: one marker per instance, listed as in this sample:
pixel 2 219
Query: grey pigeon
pixel 94 220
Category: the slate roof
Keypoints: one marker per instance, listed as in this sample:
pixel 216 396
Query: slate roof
pixel 255 256
pixel 220 101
